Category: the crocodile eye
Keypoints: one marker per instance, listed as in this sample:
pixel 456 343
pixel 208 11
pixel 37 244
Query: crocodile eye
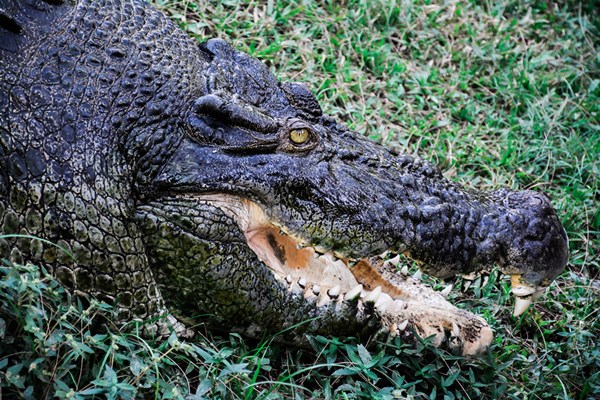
pixel 299 136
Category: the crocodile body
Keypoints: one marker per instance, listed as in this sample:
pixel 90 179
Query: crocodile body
pixel 186 180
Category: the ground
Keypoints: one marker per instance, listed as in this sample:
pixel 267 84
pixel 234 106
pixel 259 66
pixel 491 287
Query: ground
pixel 503 93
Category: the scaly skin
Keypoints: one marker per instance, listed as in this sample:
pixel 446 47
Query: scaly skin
pixel 144 154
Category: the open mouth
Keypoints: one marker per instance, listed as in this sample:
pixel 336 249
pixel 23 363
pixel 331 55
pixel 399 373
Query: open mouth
pixel 370 287
pixel 314 272
pixel 321 275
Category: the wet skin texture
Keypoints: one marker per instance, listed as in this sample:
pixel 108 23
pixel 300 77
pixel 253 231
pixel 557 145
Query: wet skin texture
pixel 114 125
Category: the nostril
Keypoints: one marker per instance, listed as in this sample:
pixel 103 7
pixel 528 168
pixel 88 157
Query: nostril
pixel 535 200
pixel 528 200
pixel 539 201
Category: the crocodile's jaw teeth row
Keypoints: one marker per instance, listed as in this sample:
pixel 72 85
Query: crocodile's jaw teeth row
pixel 313 271
pixel 325 278
pixel 382 302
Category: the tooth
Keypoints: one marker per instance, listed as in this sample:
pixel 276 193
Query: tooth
pixel 538 293
pixel 334 292
pixel 521 304
pixel 470 276
pixel 302 282
pixel 404 270
pixel 403 325
pixel 523 290
pixel 320 249
pixel 455 329
pixel 485 281
pixel 289 279
pixel 381 305
pixel 316 289
pixel 383 302
pixel 354 292
pixel 373 296
pixel 446 290
pixel 519 288
pixel 395 260
pixel 524 293
pixel 466 285
pixel 417 275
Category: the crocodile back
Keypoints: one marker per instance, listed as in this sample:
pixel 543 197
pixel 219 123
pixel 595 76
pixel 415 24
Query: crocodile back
pixel 91 99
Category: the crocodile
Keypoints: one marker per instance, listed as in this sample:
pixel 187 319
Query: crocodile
pixel 190 186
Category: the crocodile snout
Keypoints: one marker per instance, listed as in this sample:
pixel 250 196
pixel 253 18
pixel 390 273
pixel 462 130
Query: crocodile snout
pixel 537 249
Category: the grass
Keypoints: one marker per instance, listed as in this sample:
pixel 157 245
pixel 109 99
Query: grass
pixel 503 93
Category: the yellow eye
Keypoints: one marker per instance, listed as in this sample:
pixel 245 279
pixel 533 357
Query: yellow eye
pixel 299 136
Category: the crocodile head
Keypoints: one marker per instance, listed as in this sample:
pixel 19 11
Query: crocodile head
pixel 311 203
pixel 160 162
